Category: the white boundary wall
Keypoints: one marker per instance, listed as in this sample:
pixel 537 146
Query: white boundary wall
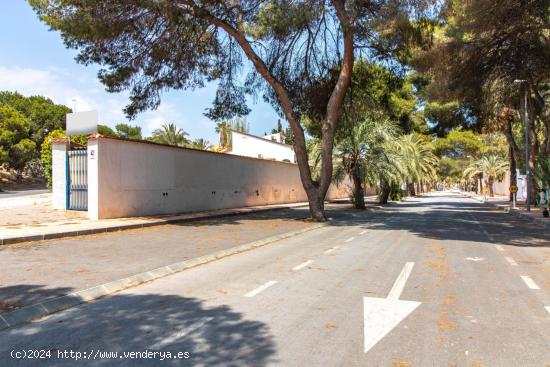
pixel 129 178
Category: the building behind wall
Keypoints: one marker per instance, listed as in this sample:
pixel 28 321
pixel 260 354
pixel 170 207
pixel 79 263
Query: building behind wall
pixel 271 147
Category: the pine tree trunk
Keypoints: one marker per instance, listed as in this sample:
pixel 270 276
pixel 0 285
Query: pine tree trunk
pixel 316 202
pixel 513 176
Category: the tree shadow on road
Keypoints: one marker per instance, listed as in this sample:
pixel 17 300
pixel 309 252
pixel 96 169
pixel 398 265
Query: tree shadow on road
pixel 447 220
pixel 213 336
pixel 17 296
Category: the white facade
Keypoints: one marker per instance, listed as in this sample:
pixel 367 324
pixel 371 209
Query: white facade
pixel 128 178
pixel 277 137
pixel 59 174
pixel 264 148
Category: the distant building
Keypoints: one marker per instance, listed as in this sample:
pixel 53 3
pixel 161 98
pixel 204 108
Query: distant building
pixel 271 147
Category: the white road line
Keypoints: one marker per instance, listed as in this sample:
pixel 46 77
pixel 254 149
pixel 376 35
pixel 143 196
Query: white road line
pixel 302 265
pixel 547 308
pixel 180 334
pixel 529 282
pixel 499 247
pixel 331 250
pixel 399 284
pixel 363 232
pixel 511 261
pixel 350 239
pixel 260 289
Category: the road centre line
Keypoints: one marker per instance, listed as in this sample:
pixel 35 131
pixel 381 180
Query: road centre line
pixel 260 289
pixel 499 247
pixel 511 261
pixel 350 239
pixel 399 284
pixel 331 250
pixel 363 232
pixel 302 265
pixel 529 282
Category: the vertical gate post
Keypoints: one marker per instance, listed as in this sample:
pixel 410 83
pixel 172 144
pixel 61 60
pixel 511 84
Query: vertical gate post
pixel 59 173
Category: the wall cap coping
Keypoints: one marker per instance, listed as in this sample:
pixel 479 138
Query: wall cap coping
pixel 99 137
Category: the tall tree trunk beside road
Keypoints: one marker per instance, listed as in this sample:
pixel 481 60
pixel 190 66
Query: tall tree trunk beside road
pixel 384 192
pixel 513 173
pixel 315 190
pixel 358 192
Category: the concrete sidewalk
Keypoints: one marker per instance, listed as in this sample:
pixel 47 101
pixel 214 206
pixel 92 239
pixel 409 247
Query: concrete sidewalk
pixel 75 224
pixel 503 202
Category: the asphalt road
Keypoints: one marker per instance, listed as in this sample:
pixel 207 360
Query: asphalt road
pixel 436 281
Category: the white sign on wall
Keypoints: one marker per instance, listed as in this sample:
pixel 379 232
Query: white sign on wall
pixel 82 123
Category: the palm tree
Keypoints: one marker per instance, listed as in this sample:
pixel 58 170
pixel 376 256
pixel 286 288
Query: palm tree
pixel 419 161
pixel 363 154
pixel 493 166
pixel 171 135
pixel 201 144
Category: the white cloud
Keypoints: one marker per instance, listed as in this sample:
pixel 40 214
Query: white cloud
pixel 183 108
pixel 84 91
pixel 62 88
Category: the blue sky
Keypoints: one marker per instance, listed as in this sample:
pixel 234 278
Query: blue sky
pixel 34 61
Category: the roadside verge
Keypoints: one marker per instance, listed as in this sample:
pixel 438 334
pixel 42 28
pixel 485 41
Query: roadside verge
pixel 88 227
pixel 515 212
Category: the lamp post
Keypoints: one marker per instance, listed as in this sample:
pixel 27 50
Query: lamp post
pixel 525 120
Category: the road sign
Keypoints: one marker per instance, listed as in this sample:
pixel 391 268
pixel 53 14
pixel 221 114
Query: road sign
pixel 513 189
pixel 485 189
pixel 82 123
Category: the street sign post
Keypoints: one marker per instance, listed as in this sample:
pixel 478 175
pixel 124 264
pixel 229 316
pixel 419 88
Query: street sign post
pixel 485 191
pixel 514 191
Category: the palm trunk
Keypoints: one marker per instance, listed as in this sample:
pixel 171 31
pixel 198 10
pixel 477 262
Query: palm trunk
pixel 358 192
pixel 384 192
pixel 490 182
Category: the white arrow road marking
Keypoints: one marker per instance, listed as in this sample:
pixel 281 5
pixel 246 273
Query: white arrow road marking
pixel 260 289
pixel 499 247
pixel 331 250
pixel 399 284
pixel 381 315
pixel 475 258
pixel 180 334
pixel 529 282
pixel 302 265
pixel 363 232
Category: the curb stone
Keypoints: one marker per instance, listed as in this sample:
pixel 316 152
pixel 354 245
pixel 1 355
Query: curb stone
pixel 157 222
pixel 48 307
pixel 515 212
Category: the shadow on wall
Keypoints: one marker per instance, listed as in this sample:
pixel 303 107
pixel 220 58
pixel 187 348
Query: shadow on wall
pixel 213 336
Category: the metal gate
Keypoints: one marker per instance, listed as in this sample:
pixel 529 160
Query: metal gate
pixel 77 179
